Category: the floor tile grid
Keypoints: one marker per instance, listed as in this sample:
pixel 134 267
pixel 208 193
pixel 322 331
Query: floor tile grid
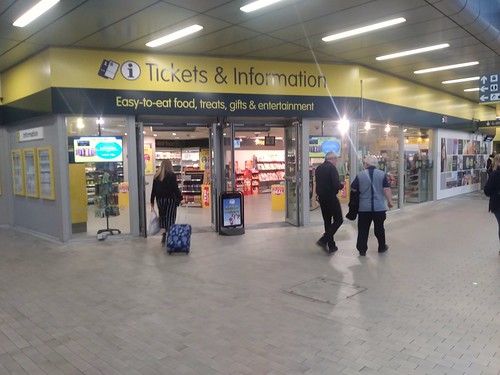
pixel 255 294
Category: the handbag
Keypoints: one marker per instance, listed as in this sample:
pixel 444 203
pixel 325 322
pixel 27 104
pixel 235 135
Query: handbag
pixel 353 205
pixel 154 224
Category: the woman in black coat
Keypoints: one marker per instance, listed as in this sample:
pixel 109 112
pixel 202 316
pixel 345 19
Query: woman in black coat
pixel 168 196
pixel 492 190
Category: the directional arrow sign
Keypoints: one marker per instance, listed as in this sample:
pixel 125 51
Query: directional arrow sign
pixel 489 83
pixel 489 123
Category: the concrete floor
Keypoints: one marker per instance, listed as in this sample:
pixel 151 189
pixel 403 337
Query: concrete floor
pixel 268 302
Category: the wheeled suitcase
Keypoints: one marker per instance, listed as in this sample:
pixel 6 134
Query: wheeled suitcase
pixel 179 238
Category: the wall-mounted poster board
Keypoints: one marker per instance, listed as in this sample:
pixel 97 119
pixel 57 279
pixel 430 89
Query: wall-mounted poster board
pixel 45 173
pixel 17 172
pixel 30 172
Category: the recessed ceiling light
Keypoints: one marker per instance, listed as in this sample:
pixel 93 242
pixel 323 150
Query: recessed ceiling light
pixel 35 12
pixel 413 51
pixel 174 36
pixel 257 5
pixel 446 67
pixel 460 80
pixel 363 29
pixel 473 89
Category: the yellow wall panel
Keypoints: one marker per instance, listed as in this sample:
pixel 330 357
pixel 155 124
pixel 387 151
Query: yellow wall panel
pixel 78 193
pixel 27 78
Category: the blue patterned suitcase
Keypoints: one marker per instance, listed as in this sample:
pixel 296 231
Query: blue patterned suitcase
pixel 179 238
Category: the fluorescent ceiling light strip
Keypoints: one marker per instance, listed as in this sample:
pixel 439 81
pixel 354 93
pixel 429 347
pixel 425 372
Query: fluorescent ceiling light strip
pixel 35 12
pixel 413 51
pixel 446 67
pixel 257 5
pixel 460 80
pixel 174 36
pixel 474 89
pixel 364 29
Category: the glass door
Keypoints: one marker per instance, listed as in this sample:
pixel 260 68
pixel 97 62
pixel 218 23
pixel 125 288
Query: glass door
pixel 293 173
pixel 222 177
pixel 141 176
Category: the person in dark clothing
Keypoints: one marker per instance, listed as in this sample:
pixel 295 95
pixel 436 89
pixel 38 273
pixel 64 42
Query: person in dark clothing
pixel 327 187
pixel 492 190
pixel 168 196
pixel 489 163
pixel 373 187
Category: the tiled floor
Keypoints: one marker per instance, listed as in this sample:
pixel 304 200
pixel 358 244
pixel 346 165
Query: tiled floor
pixel 268 302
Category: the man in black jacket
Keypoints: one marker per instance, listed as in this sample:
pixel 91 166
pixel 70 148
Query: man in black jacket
pixel 327 186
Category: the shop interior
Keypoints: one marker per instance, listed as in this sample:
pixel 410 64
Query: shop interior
pixel 101 187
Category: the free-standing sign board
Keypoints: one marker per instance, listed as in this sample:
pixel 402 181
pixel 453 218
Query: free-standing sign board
pixel 232 220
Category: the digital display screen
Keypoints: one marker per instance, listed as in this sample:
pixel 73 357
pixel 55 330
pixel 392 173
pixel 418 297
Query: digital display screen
pixel 270 140
pixel 98 149
pixel 231 210
pixel 237 143
pixel 319 146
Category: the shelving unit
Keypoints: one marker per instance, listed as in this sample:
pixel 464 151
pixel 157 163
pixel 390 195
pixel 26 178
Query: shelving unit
pixel 191 177
pixel 413 192
pixel 175 156
pixel 270 172
pixel 191 188
pixel 255 182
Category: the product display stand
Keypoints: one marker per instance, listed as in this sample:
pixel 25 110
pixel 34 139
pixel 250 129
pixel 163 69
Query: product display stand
pixel 107 202
pixel 106 210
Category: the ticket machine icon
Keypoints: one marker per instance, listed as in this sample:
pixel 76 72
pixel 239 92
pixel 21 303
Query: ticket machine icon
pixel 108 69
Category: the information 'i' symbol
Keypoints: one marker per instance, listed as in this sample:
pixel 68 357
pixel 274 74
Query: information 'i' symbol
pixel 130 70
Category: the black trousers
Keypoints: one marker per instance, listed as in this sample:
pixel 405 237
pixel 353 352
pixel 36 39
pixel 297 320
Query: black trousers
pixel 167 212
pixel 332 217
pixel 364 222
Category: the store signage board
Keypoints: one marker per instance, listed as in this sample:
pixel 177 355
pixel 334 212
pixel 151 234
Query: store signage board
pixel 30 134
pixel 489 91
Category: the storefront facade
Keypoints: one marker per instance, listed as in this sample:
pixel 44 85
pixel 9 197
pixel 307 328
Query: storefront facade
pixel 47 92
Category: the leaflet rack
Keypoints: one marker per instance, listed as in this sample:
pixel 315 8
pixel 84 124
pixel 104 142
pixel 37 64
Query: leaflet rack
pixel 107 201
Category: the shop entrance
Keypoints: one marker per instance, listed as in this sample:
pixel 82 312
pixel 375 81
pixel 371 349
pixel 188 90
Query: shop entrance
pixel 238 155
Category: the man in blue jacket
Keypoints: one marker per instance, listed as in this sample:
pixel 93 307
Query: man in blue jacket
pixel 327 187
pixel 374 190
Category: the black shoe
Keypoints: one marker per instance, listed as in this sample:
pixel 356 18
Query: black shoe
pixel 384 249
pixel 323 245
pixel 362 253
pixel 332 248
pixel 163 238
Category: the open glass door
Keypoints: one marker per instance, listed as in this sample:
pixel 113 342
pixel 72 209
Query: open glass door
pixel 293 173
pixel 139 138
pixel 222 176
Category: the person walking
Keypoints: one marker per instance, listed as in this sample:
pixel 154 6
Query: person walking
pixel 492 190
pixel 372 185
pixel 489 163
pixel 327 187
pixel 168 196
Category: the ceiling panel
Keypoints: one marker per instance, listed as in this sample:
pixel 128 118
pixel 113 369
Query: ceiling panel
pixel 228 36
pixel 142 25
